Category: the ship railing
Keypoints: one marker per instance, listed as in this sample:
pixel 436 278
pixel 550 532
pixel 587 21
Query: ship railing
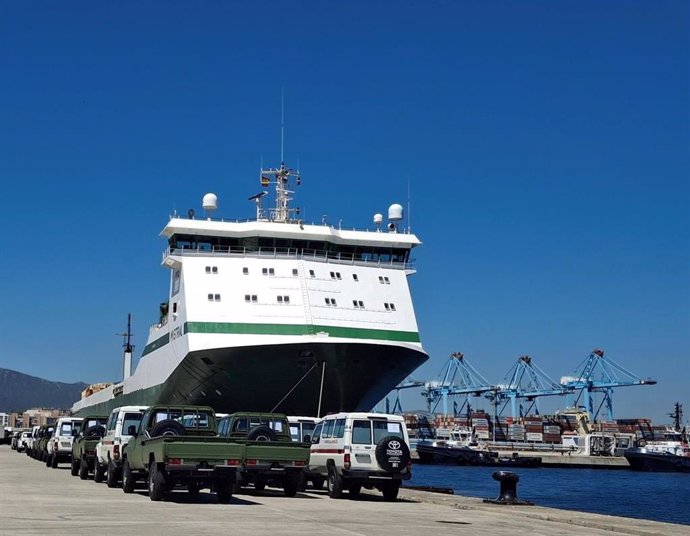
pixel 335 257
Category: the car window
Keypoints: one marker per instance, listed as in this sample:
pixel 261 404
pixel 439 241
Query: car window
pixel 317 433
pixel 328 428
pixel 361 432
pixel 339 430
pixel 65 429
pixel 112 421
pixel 294 431
pixel 307 430
pixel 386 428
pixel 130 419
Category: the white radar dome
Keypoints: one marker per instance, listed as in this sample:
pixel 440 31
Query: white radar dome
pixel 395 212
pixel 378 219
pixel 210 202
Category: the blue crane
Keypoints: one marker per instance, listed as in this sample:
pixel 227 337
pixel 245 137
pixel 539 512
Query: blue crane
pixel 457 378
pixel 599 374
pixel 528 382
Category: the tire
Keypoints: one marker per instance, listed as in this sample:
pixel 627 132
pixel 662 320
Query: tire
pixel 95 431
pixel 224 490
pixel 84 469
pixel 354 491
pixel 98 471
pixel 74 468
pixel 291 483
pixel 259 484
pixel 317 482
pixel 335 483
pixel 156 482
pixel 168 427
pixel 111 475
pixel 261 433
pixel 392 454
pixel 54 460
pixel 390 491
pixel 193 489
pixel 48 459
pixel 128 480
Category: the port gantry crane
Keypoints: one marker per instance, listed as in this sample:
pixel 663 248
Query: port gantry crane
pixel 599 374
pixel 528 382
pixel 457 378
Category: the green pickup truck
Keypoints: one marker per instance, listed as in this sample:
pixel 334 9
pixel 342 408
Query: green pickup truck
pixel 270 455
pixel 179 446
pixel 84 445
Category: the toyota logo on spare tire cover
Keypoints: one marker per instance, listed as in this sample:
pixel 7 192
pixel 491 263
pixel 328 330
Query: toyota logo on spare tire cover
pixel 392 454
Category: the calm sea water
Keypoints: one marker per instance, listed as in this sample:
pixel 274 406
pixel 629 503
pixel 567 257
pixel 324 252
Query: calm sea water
pixel 655 496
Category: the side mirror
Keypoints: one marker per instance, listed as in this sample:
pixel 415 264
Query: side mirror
pixel 132 430
pixel 315 439
pixel 75 433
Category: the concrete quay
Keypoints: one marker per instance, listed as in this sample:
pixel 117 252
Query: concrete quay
pixel 40 500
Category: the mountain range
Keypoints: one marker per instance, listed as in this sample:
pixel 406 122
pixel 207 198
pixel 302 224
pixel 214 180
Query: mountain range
pixel 19 392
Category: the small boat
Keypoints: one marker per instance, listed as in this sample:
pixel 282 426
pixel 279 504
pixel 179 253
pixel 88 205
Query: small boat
pixel 643 459
pixel 440 451
pixel 669 454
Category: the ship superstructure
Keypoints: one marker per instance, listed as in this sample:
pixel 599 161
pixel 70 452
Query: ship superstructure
pixel 277 314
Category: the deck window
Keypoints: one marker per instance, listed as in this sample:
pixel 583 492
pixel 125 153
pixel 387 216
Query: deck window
pixel 245 270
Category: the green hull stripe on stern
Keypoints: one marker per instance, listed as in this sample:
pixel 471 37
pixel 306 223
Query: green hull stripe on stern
pixel 300 329
pixel 240 328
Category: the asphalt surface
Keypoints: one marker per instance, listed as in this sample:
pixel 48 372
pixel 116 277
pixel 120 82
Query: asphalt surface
pixel 40 500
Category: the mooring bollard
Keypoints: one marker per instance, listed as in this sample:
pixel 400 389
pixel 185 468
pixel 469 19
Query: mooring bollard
pixel 508 492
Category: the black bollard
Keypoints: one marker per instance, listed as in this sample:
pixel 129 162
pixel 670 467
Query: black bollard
pixel 508 492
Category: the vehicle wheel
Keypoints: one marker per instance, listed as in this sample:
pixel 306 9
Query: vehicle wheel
pixel 167 427
pixel 111 475
pixel 74 468
pixel 355 490
pixel 54 460
pixel 98 472
pixel 317 482
pixel 390 491
pixel 392 453
pixel 261 433
pixel 224 490
pixel 128 480
pixel 237 486
pixel 83 469
pixel 156 482
pixel 193 489
pixel 291 484
pixel 259 484
pixel 335 483
pixel 48 459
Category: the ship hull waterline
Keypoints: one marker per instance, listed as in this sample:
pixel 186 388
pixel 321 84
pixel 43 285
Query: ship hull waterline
pixel 285 378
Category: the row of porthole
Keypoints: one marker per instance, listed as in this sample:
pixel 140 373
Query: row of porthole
pixel 253 298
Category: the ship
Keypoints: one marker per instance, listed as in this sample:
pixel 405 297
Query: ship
pixel 275 314
pixel 668 453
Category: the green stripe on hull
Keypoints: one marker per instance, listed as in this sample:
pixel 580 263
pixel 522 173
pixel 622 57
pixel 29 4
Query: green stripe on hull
pixel 142 397
pixel 240 328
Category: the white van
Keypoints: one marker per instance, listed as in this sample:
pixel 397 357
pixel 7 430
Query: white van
pixel 356 450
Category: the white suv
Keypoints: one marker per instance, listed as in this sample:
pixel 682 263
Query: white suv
pixel 60 444
pixel 355 450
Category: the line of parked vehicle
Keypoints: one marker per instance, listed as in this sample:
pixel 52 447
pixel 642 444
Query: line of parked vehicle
pixel 178 446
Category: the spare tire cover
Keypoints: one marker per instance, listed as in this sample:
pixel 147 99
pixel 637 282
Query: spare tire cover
pixel 97 430
pixel 167 427
pixel 392 453
pixel 261 433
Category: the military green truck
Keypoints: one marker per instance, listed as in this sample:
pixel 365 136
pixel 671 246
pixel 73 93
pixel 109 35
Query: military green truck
pixel 270 456
pixel 179 446
pixel 84 445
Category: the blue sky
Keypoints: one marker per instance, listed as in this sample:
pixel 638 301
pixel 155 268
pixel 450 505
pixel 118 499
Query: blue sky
pixel 545 145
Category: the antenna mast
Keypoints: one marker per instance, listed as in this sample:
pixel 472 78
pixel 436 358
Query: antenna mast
pixel 282 122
